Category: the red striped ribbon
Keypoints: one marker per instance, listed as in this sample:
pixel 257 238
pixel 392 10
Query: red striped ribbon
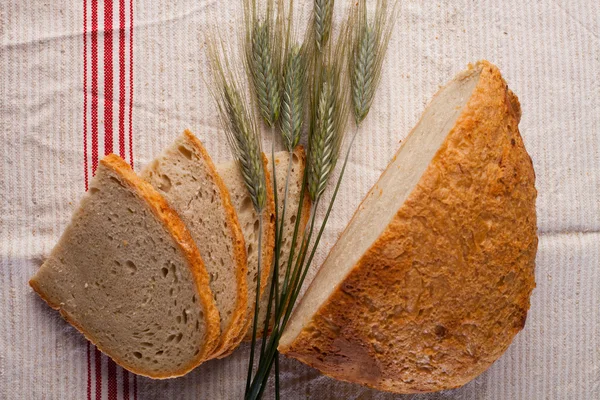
pixel 96 375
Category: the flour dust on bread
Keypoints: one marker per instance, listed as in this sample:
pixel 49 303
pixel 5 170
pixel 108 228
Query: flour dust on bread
pixel 282 160
pixel 248 218
pixel 431 279
pixel 186 176
pixel 127 274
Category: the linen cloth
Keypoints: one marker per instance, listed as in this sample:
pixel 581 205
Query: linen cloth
pixel 81 78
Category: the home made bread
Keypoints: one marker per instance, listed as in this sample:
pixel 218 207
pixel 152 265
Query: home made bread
pixel 127 274
pixel 431 279
pixel 185 175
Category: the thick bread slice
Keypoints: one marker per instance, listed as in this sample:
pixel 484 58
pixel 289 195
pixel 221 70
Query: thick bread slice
pixel 248 218
pixel 127 274
pixel 431 280
pixel 295 186
pixel 185 175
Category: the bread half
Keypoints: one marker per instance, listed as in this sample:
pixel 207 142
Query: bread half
pixel 232 177
pixel 282 160
pixel 185 175
pixel 431 279
pixel 127 274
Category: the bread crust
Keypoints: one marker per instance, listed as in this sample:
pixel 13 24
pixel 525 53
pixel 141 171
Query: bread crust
pixel 228 340
pixel 169 218
pixel 440 295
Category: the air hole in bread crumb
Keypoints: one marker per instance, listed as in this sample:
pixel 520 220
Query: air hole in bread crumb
pixel 178 319
pixel 146 344
pixel 171 291
pixel 295 159
pixel 178 338
pixel 246 205
pixel 137 354
pixel 185 151
pixel 131 267
pixel 185 318
pixel 170 338
pixel 250 249
pixel 194 299
pixel 159 353
pixel 164 272
pixel 165 183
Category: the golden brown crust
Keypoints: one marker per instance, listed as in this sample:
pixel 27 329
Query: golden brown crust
pixel 160 208
pixel 442 292
pixel 228 339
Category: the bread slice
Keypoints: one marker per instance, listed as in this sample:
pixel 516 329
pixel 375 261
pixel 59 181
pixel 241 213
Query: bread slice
pixel 248 218
pixel 294 188
pixel 127 274
pixel 185 175
pixel 431 279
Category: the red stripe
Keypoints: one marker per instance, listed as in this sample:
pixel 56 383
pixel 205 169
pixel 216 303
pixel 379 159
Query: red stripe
pixel 108 77
pixel 112 380
pixel 131 104
pixel 98 369
pixel 135 389
pixel 85 158
pixel 89 371
pixel 94 85
pixel 122 78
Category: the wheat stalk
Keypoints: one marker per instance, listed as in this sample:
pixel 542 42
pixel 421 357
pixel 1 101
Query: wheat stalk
pixel 370 41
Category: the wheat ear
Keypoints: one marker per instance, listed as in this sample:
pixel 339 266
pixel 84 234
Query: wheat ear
pixel 370 42
pixel 329 118
pixel 323 13
pixel 262 50
pixel 239 124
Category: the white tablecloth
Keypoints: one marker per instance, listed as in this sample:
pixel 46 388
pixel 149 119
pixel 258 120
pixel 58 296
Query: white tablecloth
pixel 67 97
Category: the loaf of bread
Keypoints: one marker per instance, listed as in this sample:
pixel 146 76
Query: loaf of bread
pixel 127 274
pixel 431 279
pixel 186 176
